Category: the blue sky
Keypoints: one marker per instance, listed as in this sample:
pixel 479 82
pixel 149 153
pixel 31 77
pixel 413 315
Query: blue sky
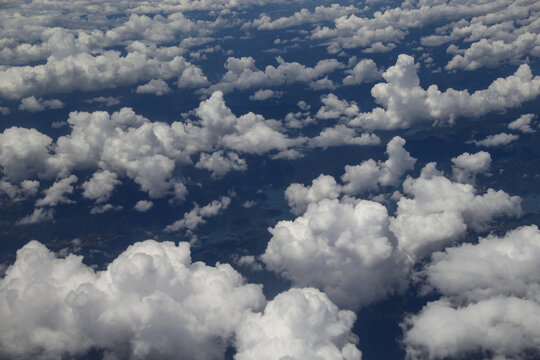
pixel 223 179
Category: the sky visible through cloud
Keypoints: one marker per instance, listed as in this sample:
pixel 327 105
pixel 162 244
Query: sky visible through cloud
pixel 254 179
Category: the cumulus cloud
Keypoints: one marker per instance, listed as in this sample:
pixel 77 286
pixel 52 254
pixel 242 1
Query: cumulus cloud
pixel 365 71
pixel 345 249
pixel 405 103
pixel 523 124
pixel 197 215
pixel 56 194
pixel 299 196
pixel 242 74
pixel 491 296
pixel 342 135
pixel 155 86
pixel 436 211
pixel 219 164
pixel 298 324
pixel 335 108
pixel 497 140
pixel 38 216
pixel 265 94
pixel 100 186
pixel 143 205
pixel 33 104
pixel 467 166
pixel 21 191
pixel 151 301
pixel 370 174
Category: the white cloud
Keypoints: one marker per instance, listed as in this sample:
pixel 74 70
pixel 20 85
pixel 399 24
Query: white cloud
pixel 298 324
pixel 103 208
pixel 491 299
pixel 523 124
pixel 405 103
pixel 467 166
pixel 322 84
pixel 335 108
pixel 265 94
pixel 365 71
pixel 155 86
pixel 23 152
pixel 342 135
pixel 4 110
pixel 197 215
pixel 143 205
pixel 19 192
pixel 107 101
pixel 220 164
pixel 151 301
pixel 345 249
pixel 33 104
pixel 436 211
pixel 38 216
pixel 299 196
pixel 370 175
pixel 56 194
pixel 497 140
pixel 242 74
pixel 100 186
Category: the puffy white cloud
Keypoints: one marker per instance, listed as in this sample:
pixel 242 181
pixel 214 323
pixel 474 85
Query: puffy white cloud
pixel 34 104
pixel 322 84
pixel 143 205
pixel 345 249
pixel 523 124
pixel 467 166
pixel 491 298
pixel 87 72
pixel 497 140
pixel 335 108
pixel 436 211
pixel 103 208
pixel 342 135
pixel 369 175
pixel 405 103
pixel 192 77
pixel 38 216
pixel 299 196
pixel 107 101
pixel 56 194
pixel 23 152
pixel 265 94
pixel 304 16
pixel 365 71
pixel 220 164
pixel 19 192
pixel 197 215
pixel 155 86
pixel 100 186
pixel 298 324
pixel 242 74
pixel 151 301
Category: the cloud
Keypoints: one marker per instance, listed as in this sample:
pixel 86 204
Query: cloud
pixel 298 324
pixel 32 104
pixel 219 164
pixel 197 215
pixel 38 216
pixel 261 95
pixel 100 186
pixel 344 249
pixel 523 124
pixel 467 166
pixel 497 140
pixel 56 194
pixel 335 108
pixel 340 135
pixel 242 74
pixel 370 175
pixel 299 196
pixel 155 86
pixel 23 152
pixel 405 103
pixel 436 211
pixel 151 301
pixel 107 101
pixel 143 205
pixel 25 189
pixel 491 294
pixel 365 71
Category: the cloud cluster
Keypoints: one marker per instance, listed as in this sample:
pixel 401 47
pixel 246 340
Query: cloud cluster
pixel 197 215
pixel 491 298
pixel 345 249
pixel 405 103
pixel 467 166
pixel 152 301
pixel 436 211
